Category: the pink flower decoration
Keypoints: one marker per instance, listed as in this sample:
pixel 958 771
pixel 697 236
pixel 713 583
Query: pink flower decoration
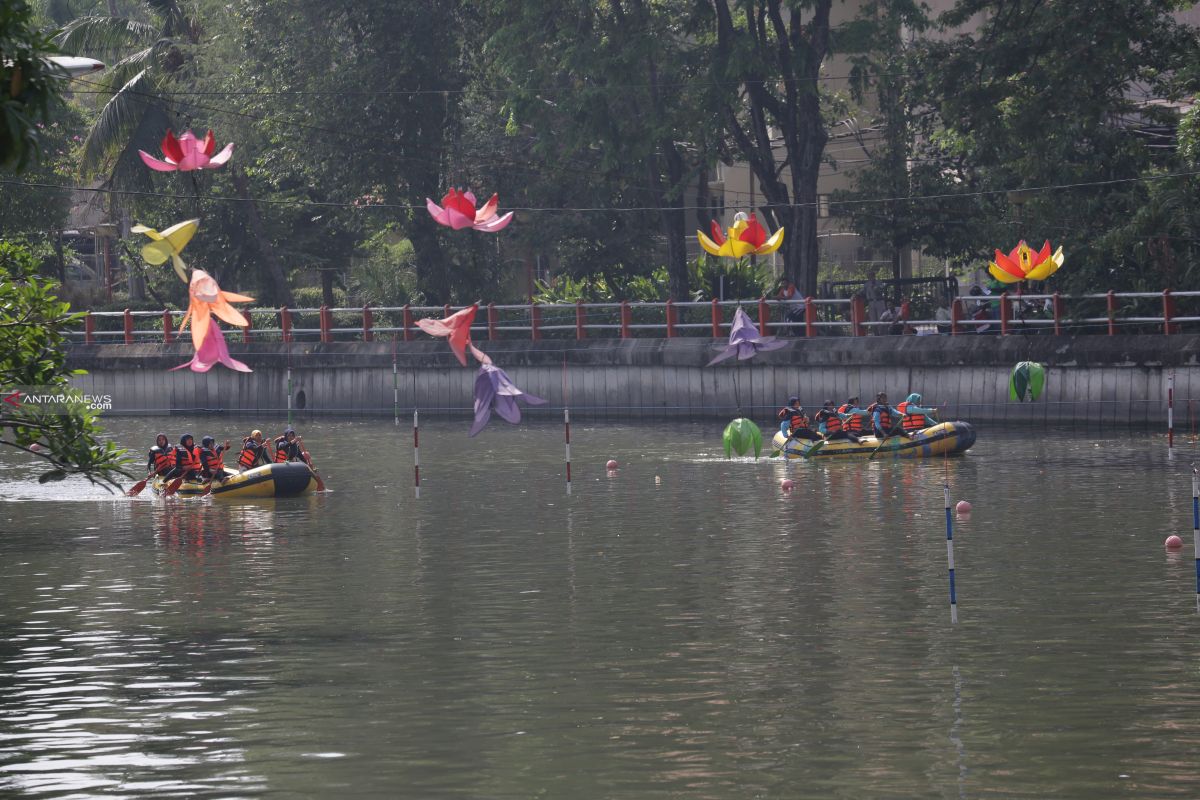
pixel 211 352
pixel 187 153
pixel 458 211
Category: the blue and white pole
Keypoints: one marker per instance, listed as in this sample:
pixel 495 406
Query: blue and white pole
pixel 950 556
pixel 1196 529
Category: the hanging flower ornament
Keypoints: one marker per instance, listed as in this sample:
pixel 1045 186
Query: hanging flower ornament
pixel 746 237
pixel 458 211
pixel 168 244
pixel 187 153
pixel 456 329
pixel 495 391
pixel 1026 264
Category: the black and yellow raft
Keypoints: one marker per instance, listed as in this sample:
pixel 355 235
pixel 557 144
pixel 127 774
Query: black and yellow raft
pixel 943 439
pixel 285 479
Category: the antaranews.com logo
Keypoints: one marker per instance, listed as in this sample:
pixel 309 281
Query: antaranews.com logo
pixel 53 399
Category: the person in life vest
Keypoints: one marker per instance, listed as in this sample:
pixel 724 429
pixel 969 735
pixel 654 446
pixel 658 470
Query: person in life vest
pixel 212 465
pixel 853 418
pixel 187 459
pixel 913 417
pixel 288 448
pixel 161 459
pixel 794 422
pixel 255 451
pixel 885 420
pixel 829 424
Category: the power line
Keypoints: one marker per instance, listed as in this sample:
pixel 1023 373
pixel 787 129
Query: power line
pixel 608 209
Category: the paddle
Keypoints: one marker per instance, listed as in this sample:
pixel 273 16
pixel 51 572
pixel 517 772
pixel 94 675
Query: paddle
pixel 803 453
pixel 172 487
pixel 136 489
pixel 313 470
pixel 883 441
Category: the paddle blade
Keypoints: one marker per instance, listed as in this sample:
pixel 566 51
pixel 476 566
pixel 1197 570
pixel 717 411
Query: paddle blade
pixel 172 487
pixel 136 489
pixel 810 452
pixel 207 489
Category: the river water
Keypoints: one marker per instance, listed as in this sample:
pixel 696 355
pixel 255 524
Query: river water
pixel 678 628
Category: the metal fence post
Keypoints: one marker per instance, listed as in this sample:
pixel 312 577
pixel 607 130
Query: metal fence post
pixel 626 319
pixel 535 322
pixel 406 323
pixel 168 332
pixel 764 314
pixel 368 324
pixel 285 324
pixel 670 319
pixel 580 320
pixel 128 326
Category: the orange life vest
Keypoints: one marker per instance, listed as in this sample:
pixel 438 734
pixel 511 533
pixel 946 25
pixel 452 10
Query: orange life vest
pixel 249 455
pixel 910 422
pixel 855 423
pixel 885 416
pixel 833 423
pixel 284 450
pixel 162 460
pixel 212 460
pixel 188 460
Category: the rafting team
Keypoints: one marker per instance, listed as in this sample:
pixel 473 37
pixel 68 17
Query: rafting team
pixel 850 422
pixel 206 462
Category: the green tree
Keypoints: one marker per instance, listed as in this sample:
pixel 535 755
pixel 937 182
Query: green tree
pixel 155 56
pixel 767 56
pixel 30 87
pixel 1042 94
pixel 613 88
pixel 32 354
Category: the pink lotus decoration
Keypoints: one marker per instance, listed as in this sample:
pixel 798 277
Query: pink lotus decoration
pixel 458 211
pixel 187 153
pixel 457 329
pixel 211 352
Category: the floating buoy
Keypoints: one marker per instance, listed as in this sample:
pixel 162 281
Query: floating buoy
pixel 35 447
pixel 787 484
pixel 1173 542
pixel 612 464
pixel 963 507
pixel 657 479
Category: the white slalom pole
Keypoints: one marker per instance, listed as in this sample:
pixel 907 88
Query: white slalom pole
pixel 289 380
pixel 395 385
pixel 1171 414
pixel 416 456
pixel 567 435
pixel 950 557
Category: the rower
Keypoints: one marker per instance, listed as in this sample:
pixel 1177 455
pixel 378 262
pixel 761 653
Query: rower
pixel 913 417
pixel 212 465
pixel 829 424
pixel 187 459
pixel 884 418
pixel 287 447
pixel 255 451
pixel 161 460
pixel 852 417
pixel 795 422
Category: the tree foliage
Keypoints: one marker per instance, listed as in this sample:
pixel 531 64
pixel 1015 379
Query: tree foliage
pixel 32 355
pixel 30 87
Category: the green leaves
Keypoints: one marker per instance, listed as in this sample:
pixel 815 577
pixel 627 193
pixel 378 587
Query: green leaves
pixel 32 355
pixel 29 86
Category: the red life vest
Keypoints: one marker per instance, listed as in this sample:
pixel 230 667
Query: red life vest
pixel 188 460
pixel 285 450
pixel 249 455
pixel 162 460
pixel 885 415
pixel 212 460
pixel 833 423
pixel 910 422
pixel 855 422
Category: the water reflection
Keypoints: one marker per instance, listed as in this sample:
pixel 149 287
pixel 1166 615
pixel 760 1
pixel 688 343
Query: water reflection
pixel 678 628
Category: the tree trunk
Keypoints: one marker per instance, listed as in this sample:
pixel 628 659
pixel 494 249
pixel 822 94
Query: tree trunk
pixel 279 290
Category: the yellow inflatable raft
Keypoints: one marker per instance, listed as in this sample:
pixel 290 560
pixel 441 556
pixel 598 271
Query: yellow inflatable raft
pixel 286 479
pixel 945 438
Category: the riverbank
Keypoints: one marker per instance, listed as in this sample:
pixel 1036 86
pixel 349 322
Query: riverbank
pixel 1098 380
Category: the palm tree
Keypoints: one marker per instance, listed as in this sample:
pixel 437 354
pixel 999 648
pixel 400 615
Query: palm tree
pixel 153 58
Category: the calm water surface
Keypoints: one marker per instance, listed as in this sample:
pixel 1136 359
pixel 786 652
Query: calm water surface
pixel 680 628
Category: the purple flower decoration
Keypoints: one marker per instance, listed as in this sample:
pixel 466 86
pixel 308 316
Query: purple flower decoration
pixel 494 388
pixel 745 341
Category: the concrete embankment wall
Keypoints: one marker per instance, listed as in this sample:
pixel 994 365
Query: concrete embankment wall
pixel 1092 380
